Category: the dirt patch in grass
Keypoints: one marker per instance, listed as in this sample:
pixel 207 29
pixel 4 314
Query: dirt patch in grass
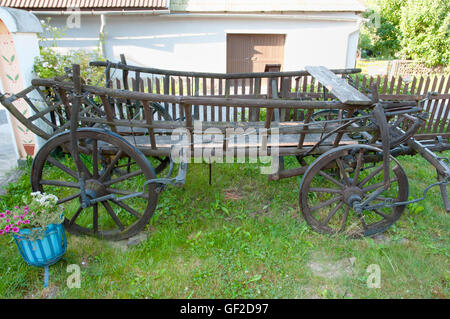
pixel 50 292
pixel 232 194
pixel 322 266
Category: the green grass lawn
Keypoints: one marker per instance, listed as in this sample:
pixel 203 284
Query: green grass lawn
pixel 243 237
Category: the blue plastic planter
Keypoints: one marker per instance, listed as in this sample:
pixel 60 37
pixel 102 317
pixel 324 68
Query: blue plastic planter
pixel 42 252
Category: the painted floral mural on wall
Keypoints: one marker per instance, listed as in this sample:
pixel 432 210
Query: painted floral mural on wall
pixel 11 79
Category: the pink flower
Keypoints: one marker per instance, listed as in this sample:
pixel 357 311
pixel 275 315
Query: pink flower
pixel 7 220
pixel 2 215
pixel 16 207
pixel 7 212
pixel 19 222
pixel 27 221
pixel 7 228
pixel 15 230
pixel 2 231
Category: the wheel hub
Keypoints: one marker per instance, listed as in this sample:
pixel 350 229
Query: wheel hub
pixel 95 189
pixel 352 194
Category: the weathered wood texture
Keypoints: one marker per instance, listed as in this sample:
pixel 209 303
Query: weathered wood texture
pixel 338 86
pixel 305 87
pixel 235 98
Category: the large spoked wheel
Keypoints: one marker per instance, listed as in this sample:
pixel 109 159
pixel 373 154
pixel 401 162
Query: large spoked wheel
pixel 103 154
pixel 326 200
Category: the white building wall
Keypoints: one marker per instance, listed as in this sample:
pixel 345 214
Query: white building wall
pixel 197 42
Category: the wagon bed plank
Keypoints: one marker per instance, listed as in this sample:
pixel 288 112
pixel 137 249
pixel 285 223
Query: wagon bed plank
pixel 339 87
pixel 237 141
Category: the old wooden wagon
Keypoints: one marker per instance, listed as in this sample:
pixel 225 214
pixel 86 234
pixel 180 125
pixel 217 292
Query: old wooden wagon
pixel 111 149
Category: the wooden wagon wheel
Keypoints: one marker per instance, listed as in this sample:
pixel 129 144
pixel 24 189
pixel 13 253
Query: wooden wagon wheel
pixel 325 201
pixel 54 171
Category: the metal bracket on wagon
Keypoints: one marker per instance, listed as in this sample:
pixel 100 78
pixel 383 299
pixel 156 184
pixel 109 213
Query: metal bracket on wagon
pixel 359 207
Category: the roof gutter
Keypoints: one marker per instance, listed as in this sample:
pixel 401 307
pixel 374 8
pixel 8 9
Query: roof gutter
pixel 95 12
pixel 306 16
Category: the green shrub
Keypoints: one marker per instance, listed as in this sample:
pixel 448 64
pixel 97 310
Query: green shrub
pixel 51 63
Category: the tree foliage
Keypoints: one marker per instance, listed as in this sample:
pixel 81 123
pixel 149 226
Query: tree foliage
pixel 425 31
pixel 411 29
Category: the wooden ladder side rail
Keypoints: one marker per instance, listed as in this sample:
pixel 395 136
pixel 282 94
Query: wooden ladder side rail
pixel 269 74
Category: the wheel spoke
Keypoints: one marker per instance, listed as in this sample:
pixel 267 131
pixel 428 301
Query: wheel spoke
pixel 110 166
pixel 62 167
pixel 113 215
pixel 381 214
pixel 377 185
pixel 123 192
pixel 342 169
pixel 344 221
pixel 68 198
pixel 128 165
pixel 85 169
pixel 371 175
pixel 123 177
pixel 324 190
pixel 331 179
pixel 332 213
pixel 95 218
pixel 326 203
pixel 127 208
pixel 95 159
pixel 358 167
pixel 60 183
pixel 361 218
pixel 74 217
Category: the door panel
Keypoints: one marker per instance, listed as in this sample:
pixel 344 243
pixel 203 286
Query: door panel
pixel 251 52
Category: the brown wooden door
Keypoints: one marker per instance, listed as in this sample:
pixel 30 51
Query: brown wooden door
pixel 251 52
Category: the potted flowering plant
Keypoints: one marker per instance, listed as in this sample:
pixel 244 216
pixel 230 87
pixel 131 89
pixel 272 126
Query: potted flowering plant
pixel 37 229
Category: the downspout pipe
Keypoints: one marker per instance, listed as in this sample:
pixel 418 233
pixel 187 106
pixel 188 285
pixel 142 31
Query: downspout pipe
pixel 102 34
